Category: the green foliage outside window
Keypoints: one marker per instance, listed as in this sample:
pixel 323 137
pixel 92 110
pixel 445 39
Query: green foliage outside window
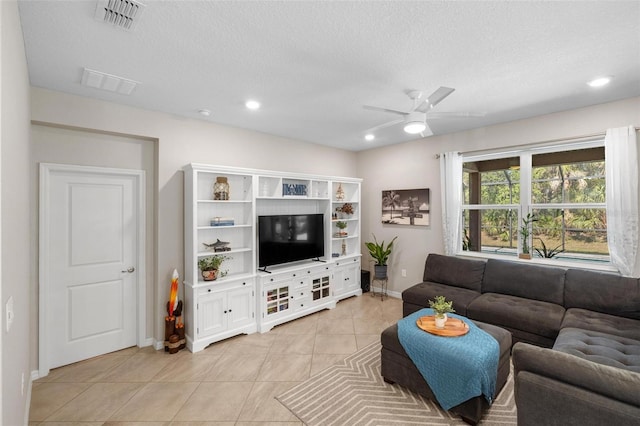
pixel 569 229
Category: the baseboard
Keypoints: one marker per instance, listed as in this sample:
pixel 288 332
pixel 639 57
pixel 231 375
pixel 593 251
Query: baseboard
pixel 395 294
pixel 33 376
pixel 157 344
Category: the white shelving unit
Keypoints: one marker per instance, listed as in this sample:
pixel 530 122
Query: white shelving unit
pixel 245 300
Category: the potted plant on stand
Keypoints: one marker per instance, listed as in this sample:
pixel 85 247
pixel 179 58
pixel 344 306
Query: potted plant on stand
pixel 441 307
pixel 380 253
pixel 525 232
pixel 210 266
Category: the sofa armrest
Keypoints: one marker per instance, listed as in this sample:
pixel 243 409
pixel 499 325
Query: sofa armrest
pixel 611 382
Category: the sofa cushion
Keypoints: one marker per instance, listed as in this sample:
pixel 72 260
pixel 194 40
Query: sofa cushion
pixel 602 292
pixel 420 294
pixel 535 282
pixel 454 271
pixel 604 323
pixel 600 347
pixel 611 383
pixel 517 313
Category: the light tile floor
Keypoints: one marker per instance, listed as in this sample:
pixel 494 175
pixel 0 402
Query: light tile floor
pixel 232 382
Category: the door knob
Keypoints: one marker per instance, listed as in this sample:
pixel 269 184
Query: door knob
pixel 130 270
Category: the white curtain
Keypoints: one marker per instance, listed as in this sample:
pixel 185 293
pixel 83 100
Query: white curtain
pixel 621 155
pixel 451 186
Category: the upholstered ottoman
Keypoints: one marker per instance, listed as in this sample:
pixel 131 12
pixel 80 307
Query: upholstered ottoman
pixel 398 368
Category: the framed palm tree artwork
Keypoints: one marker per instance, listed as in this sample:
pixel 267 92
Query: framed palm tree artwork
pixel 406 207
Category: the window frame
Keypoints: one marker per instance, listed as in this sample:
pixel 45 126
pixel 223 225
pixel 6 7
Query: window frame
pixel 526 205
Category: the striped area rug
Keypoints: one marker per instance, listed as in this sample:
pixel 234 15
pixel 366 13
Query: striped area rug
pixel 353 393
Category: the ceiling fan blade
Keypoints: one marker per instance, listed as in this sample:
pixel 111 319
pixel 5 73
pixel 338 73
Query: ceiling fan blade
pixel 435 98
pixel 375 108
pixel 382 126
pixel 427 131
pixel 456 114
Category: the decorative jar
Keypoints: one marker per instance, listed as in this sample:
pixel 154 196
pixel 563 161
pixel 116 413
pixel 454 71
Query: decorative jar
pixel 221 189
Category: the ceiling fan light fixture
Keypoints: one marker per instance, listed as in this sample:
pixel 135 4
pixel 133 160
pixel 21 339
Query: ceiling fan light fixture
pixel 414 127
pixel 415 123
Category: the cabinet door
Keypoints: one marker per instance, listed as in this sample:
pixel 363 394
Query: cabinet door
pixel 352 278
pixel 240 307
pixel 338 282
pixel 212 318
pixel 277 300
pixel 320 287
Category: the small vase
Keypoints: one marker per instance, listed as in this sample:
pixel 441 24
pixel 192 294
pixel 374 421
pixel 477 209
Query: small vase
pixel 210 275
pixel 441 321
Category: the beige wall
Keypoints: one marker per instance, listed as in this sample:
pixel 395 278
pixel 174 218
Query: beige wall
pixel 414 165
pixel 179 141
pixel 73 146
pixel 14 211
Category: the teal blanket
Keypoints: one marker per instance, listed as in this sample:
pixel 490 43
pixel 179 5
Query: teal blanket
pixel 456 368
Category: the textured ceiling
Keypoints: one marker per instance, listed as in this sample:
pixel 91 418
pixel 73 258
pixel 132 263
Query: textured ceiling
pixel 314 64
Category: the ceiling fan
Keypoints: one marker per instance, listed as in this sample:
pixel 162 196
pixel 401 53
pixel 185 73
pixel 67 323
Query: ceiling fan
pixel 415 120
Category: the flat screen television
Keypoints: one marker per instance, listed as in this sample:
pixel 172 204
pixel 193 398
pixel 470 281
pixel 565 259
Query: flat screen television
pixel 289 238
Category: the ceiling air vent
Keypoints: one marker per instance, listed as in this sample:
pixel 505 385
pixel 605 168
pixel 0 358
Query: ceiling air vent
pixel 121 13
pixel 108 82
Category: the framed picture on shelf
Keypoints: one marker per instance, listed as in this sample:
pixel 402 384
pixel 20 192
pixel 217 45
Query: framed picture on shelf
pixel 406 207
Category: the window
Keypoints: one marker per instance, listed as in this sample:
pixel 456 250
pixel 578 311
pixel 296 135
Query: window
pixel 564 189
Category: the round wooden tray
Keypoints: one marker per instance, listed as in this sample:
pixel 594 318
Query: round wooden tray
pixel 453 327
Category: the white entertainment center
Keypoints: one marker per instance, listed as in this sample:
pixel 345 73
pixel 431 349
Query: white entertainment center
pixel 248 299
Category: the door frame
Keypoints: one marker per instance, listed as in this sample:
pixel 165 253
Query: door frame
pixel 46 169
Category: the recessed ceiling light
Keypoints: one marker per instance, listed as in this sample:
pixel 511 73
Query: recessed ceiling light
pixel 253 105
pixel 204 112
pixel 599 82
pixel 369 137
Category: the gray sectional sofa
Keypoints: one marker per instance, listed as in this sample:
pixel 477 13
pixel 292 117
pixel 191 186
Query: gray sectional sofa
pixel 576 333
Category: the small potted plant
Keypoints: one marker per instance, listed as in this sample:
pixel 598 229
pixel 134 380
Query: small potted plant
pixel 210 266
pixel 341 226
pixel 441 307
pixel 380 253
pixel 525 232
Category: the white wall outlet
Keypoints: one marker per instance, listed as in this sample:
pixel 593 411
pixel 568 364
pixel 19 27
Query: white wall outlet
pixel 9 313
pixel 404 273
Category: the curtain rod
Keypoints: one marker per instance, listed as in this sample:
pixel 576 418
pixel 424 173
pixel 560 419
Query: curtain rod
pixel 536 144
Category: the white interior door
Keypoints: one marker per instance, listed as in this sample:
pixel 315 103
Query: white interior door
pixel 90 262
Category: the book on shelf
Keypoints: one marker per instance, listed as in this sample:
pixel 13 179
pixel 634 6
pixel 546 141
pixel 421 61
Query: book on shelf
pixel 222 221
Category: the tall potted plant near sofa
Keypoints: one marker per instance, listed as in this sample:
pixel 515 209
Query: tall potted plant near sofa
pixel 380 253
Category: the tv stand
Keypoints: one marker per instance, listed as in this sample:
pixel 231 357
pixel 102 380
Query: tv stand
pixel 293 292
